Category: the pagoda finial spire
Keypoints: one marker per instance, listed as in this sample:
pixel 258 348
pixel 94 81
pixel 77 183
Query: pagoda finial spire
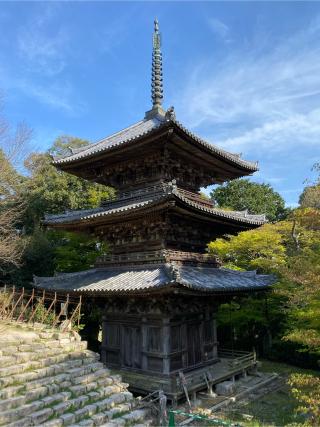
pixel 156 79
pixel 156 83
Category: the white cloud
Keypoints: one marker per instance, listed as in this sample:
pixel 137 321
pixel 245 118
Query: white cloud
pixel 219 28
pixel 43 53
pixel 56 94
pixel 40 49
pixel 297 129
pixel 268 95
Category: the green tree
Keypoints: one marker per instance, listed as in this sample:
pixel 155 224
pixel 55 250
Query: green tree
pixel 49 190
pixel 74 251
pixel 50 252
pixel 291 250
pixel 310 197
pixel 11 207
pixel 242 194
pixel 37 258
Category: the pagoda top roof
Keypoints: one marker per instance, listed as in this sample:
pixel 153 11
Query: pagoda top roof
pixel 158 125
pixel 151 197
pixel 154 122
pixel 146 279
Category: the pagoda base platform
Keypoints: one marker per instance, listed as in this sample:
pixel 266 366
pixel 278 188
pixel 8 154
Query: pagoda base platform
pixel 195 379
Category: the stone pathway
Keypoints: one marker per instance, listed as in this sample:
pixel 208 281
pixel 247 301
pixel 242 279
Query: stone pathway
pixel 50 379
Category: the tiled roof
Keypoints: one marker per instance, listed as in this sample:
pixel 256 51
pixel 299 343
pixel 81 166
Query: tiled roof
pixel 130 133
pixel 70 217
pixel 241 216
pixel 148 199
pixel 222 279
pixel 143 128
pixel 235 158
pixel 139 279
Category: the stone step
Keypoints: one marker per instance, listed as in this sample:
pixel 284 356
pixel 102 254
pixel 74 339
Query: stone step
pixel 18 368
pixel 99 418
pixel 13 357
pixel 31 371
pixel 12 391
pixel 53 380
pixel 46 381
pixel 38 411
pixel 7 360
pixel 12 415
pixel 12 402
pixel 146 423
pixel 92 377
pixel 8 342
pixel 48 386
pixel 135 416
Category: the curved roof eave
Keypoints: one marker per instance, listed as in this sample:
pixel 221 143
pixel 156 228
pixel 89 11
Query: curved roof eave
pixel 238 217
pixel 141 130
pixel 152 278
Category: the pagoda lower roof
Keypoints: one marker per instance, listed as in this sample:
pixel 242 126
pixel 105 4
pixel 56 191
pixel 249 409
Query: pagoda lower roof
pixel 148 127
pixel 153 197
pixel 154 278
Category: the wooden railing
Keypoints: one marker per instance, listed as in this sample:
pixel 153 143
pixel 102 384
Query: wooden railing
pixel 237 358
pixel 196 197
pixel 31 306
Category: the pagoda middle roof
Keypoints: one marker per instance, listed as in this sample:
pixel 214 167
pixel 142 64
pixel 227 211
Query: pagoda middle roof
pixel 144 279
pixel 152 197
pixel 144 128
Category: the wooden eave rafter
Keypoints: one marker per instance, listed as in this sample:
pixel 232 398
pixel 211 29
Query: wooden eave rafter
pixel 213 166
pixel 205 153
pixel 117 153
pixel 170 288
pixel 169 203
pixel 168 132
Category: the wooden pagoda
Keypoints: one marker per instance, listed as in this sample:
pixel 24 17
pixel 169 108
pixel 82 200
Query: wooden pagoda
pixel 159 288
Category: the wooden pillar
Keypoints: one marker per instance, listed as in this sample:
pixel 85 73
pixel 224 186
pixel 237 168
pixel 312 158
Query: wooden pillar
pixel 215 343
pixel 166 345
pixel 144 333
pixel 104 340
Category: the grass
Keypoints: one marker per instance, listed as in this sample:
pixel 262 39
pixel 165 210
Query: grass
pixel 277 408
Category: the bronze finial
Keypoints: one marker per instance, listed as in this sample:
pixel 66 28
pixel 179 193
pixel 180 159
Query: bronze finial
pixel 156 83
pixel 156 25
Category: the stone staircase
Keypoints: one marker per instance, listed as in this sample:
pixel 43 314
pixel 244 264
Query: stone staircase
pixel 50 379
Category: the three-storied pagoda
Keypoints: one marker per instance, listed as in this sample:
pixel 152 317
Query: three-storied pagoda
pixel 159 288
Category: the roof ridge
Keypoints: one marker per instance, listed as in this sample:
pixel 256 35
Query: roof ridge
pixel 216 148
pixel 90 145
pixel 149 200
pixel 159 122
pixel 221 212
pixel 141 278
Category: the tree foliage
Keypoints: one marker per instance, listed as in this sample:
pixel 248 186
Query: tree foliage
pixel 306 389
pixel 242 194
pixel 310 197
pixel 49 190
pixel 74 251
pixel 11 209
pixel 291 250
pixel 12 143
pixel 24 200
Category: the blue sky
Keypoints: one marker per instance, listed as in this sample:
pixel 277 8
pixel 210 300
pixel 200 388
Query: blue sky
pixel 243 75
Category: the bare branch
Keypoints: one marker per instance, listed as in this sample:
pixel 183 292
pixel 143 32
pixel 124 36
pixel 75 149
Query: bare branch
pixel 295 236
pixel 11 243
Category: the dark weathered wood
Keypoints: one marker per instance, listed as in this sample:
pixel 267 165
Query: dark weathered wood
pixel 159 217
